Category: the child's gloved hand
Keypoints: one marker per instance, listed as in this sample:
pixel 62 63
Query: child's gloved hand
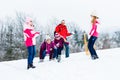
pixel 55 47
pixel 50 49
pixel 67 43
pixel 46 50
pixel 57 44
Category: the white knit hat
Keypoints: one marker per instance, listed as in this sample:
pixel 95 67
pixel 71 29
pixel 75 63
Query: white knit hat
pixel 47 37
pixel 28 19
pixel 94 13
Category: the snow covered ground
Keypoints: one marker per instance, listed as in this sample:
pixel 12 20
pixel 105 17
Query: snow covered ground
pixel 77 67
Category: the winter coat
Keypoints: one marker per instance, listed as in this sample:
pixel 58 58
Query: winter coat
pixel 34 39
pixel 29 36
pixel 46 47
pixel 93 31
pixel 62 30
pixel 59 43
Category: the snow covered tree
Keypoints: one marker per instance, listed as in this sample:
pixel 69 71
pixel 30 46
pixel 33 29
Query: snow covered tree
pixel 116 39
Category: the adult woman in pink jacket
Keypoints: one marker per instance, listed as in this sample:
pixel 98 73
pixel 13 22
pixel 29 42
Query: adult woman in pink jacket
pixel 29 38
pixel 94 34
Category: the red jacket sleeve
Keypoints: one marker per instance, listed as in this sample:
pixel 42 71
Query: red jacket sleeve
pixel 68 34
pixel 65 32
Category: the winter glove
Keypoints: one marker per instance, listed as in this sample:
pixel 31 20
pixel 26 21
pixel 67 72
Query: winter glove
pixel 50 49
pixel 67 43
pixel 55 47
pixel 72 33
pixel 57 44
pixel 46 50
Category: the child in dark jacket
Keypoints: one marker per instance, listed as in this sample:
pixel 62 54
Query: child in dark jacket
pixel 47 47
pixel 58 42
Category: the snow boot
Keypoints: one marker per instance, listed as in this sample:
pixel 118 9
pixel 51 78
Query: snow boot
pixel 28 66
pixel 32 66
pixel 51 59
pixel 59 58
pixel 94 57
pixel 41 60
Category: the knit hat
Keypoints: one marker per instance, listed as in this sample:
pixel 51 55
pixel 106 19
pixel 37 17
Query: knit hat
pixel 47 37
pixel 28 19
pixel 94 14
pixel 57 35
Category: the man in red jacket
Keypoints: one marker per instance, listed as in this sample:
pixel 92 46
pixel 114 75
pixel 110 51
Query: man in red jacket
pixel 62 30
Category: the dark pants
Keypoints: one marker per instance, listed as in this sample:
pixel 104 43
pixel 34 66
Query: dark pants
pixel 91 46
pixel 31 54
pixel 57 52
pixel 44 54
pixel 66 50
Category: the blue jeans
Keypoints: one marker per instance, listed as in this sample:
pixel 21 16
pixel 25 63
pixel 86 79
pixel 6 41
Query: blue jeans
pixel 66 50
pixel 91 45
pixel 57 52
pixel 31 54
pixel 44 54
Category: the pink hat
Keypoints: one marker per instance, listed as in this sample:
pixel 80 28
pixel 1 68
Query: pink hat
pixel 28 19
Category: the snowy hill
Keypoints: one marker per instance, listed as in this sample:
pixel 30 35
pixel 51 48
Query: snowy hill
pixel 77 67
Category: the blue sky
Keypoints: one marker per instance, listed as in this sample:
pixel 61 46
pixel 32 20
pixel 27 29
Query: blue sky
pixel 77 11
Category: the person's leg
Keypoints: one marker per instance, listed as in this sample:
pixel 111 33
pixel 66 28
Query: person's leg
pixel 59 54
pixel 43 54
pixel 94 52
pixel 66 50
pixel 34 53
pixel 55 54
pixel 29 56
pixel 51 55
pixel 91 47
pixel 40 55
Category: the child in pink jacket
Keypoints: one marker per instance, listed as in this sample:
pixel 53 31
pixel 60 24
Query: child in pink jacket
pixel 29 37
